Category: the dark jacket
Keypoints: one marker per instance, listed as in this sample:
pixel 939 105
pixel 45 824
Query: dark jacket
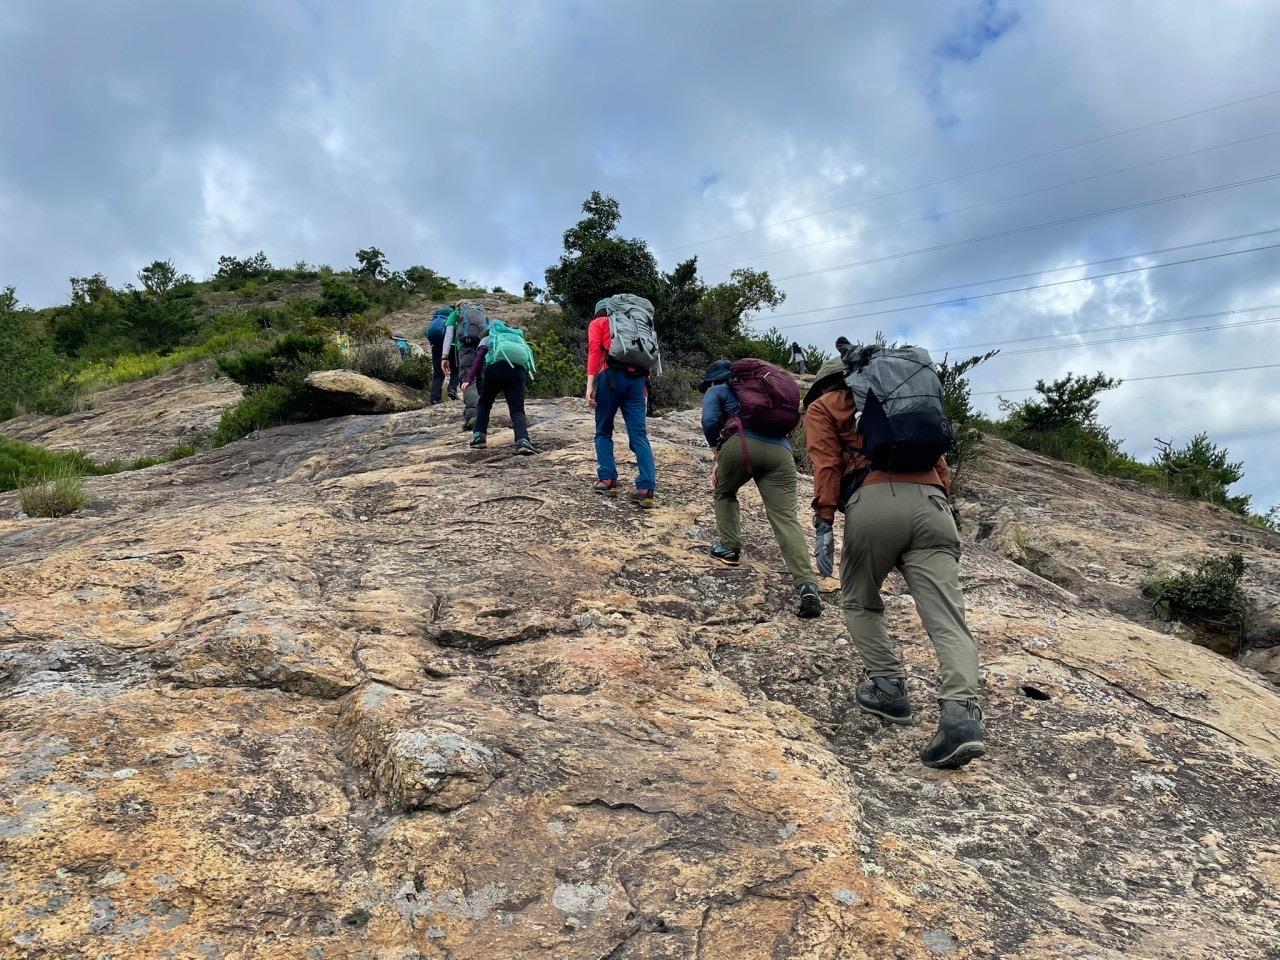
pixel 720 408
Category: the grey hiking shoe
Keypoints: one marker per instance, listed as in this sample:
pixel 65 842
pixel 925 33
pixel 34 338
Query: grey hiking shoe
pixel 726 556
pixel 886 698
pixel 524 447
pixel 959 736
pixel 810 602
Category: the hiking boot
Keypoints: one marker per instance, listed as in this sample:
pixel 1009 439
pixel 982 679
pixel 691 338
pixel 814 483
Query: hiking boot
pixel 886 698
pixel 453 396
pixel 641 498
pixel 606 488
pixel 478 441
pixel 524 447
pixel 725 555
pixel 810 602
pixel 469 423
pixel 959 736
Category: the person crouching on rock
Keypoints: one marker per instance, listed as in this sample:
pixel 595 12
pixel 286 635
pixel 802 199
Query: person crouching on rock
pixel 901 520
pixel 506 362
pixel 743 455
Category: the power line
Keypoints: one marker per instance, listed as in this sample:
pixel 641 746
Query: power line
pixel 1023 276
pixel 1050 348
pixel 1034 286
pixel 1118 326
pixel 1159 376
pixel 971 173
pixel 1033 226
pixel 987 203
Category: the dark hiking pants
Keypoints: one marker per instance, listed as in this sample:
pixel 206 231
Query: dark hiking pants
pixel 501 377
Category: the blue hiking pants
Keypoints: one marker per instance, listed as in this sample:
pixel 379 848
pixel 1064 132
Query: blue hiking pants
pixel 618 390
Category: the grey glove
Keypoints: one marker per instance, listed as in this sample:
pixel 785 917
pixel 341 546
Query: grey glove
pixel 824 546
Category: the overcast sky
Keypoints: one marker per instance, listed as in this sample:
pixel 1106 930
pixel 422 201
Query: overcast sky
pixel 465 137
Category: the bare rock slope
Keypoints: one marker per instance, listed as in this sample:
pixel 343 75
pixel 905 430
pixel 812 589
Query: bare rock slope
pixel 347 689
pixel 145 418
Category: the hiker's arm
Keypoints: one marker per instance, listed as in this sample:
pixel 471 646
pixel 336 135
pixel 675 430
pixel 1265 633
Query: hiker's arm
pixel 474 373
pixel 595 356
pixel 822 440
pixel 712 416
pixel 448 339
pixel 944 474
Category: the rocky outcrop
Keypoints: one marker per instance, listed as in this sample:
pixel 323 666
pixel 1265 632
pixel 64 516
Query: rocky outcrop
pixel 1103 539
pixel 345 391
pixel 348 689
pixel 146 418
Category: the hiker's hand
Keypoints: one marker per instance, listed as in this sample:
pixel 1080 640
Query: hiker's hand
pixel 464 387
pixel 590 396
pixel 444 365
pixel 824 545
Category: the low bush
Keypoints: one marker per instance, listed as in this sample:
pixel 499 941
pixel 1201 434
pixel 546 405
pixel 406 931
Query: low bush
pixel 376 358
pixel 274 378
pixel 19 461
pixel 53 492
pixel 677 386
pixel 559 374
pixel 1210 595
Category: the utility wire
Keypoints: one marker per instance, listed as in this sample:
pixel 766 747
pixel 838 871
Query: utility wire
pixel 986 169
pixel 1023 276
pixel 987 203
pixel 1110 329
pixel 1034 286
pixel 1159 376
pixel 1033 226
pixel 1051 348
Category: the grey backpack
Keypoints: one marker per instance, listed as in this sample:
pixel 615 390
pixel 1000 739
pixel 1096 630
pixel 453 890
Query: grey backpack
pixel 634 341
pixel 898 395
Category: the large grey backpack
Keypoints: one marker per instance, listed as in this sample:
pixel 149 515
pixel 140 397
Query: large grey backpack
pixel 633 338
pixel 898 394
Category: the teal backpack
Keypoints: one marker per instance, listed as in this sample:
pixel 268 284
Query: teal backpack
pixel 508 343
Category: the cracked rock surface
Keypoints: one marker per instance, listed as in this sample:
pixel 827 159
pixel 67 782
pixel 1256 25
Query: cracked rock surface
pixel 349 690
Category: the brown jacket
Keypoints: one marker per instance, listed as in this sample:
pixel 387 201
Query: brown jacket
pixel 832 440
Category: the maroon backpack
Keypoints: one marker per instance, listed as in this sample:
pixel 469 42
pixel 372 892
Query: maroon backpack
pixel 768 397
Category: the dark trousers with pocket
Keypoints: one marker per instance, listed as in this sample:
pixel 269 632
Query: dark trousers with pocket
pixel 501 377
pixel 437 371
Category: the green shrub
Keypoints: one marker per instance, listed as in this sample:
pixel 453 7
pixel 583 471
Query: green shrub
pixel 53 492
pixel 414 372
pixel 20 460
pixel 275 363
pixel 1203 471
pixel 958 404
pixel 1210 595
pixel 380 359
pixel 677 387
pixel 559 375
pixel 340 300
pixel 258 410
pixel 31 370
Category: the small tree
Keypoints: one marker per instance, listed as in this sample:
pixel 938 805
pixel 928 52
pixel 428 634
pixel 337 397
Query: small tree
pixel 815 357
pixel 340 300
pixel 1202 470
pixel 373 265
pixel 957 401
pixel 161 276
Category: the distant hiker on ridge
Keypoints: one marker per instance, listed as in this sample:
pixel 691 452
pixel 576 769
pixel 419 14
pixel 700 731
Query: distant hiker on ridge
pixel 886 471
pixel 622 353
pixel 749 408
pixel 464 329
pixel 797 358
pixel 507 363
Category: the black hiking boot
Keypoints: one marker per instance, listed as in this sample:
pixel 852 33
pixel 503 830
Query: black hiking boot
pixel 810 602
pixel 479 441
pixel 886 698
pixel 959 736
pixel 728 557
pixel 524 447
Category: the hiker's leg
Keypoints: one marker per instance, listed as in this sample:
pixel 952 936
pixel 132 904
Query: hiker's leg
pixel 931 565
pixel 635 408
pixel 455 374
pixel 877 528
pixel 606 410
pixel 484 402
pixel 470 399
pixel 774 469
pixel 731 474
pixel 517 380
pixel 437 371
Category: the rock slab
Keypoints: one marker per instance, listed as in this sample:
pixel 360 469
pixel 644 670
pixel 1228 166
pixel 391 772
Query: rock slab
pixel 345 391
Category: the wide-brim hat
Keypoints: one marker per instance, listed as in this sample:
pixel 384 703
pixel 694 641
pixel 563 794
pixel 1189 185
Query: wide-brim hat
pixel 718 372
pixel 828 374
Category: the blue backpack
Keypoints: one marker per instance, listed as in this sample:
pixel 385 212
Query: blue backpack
pixel 435 332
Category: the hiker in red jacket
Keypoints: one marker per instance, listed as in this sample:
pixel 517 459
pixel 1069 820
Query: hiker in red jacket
pixel 610 388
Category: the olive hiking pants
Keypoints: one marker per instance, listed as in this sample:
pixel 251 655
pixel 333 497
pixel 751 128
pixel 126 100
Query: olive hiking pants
pixel 909 526
pixel 773 468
